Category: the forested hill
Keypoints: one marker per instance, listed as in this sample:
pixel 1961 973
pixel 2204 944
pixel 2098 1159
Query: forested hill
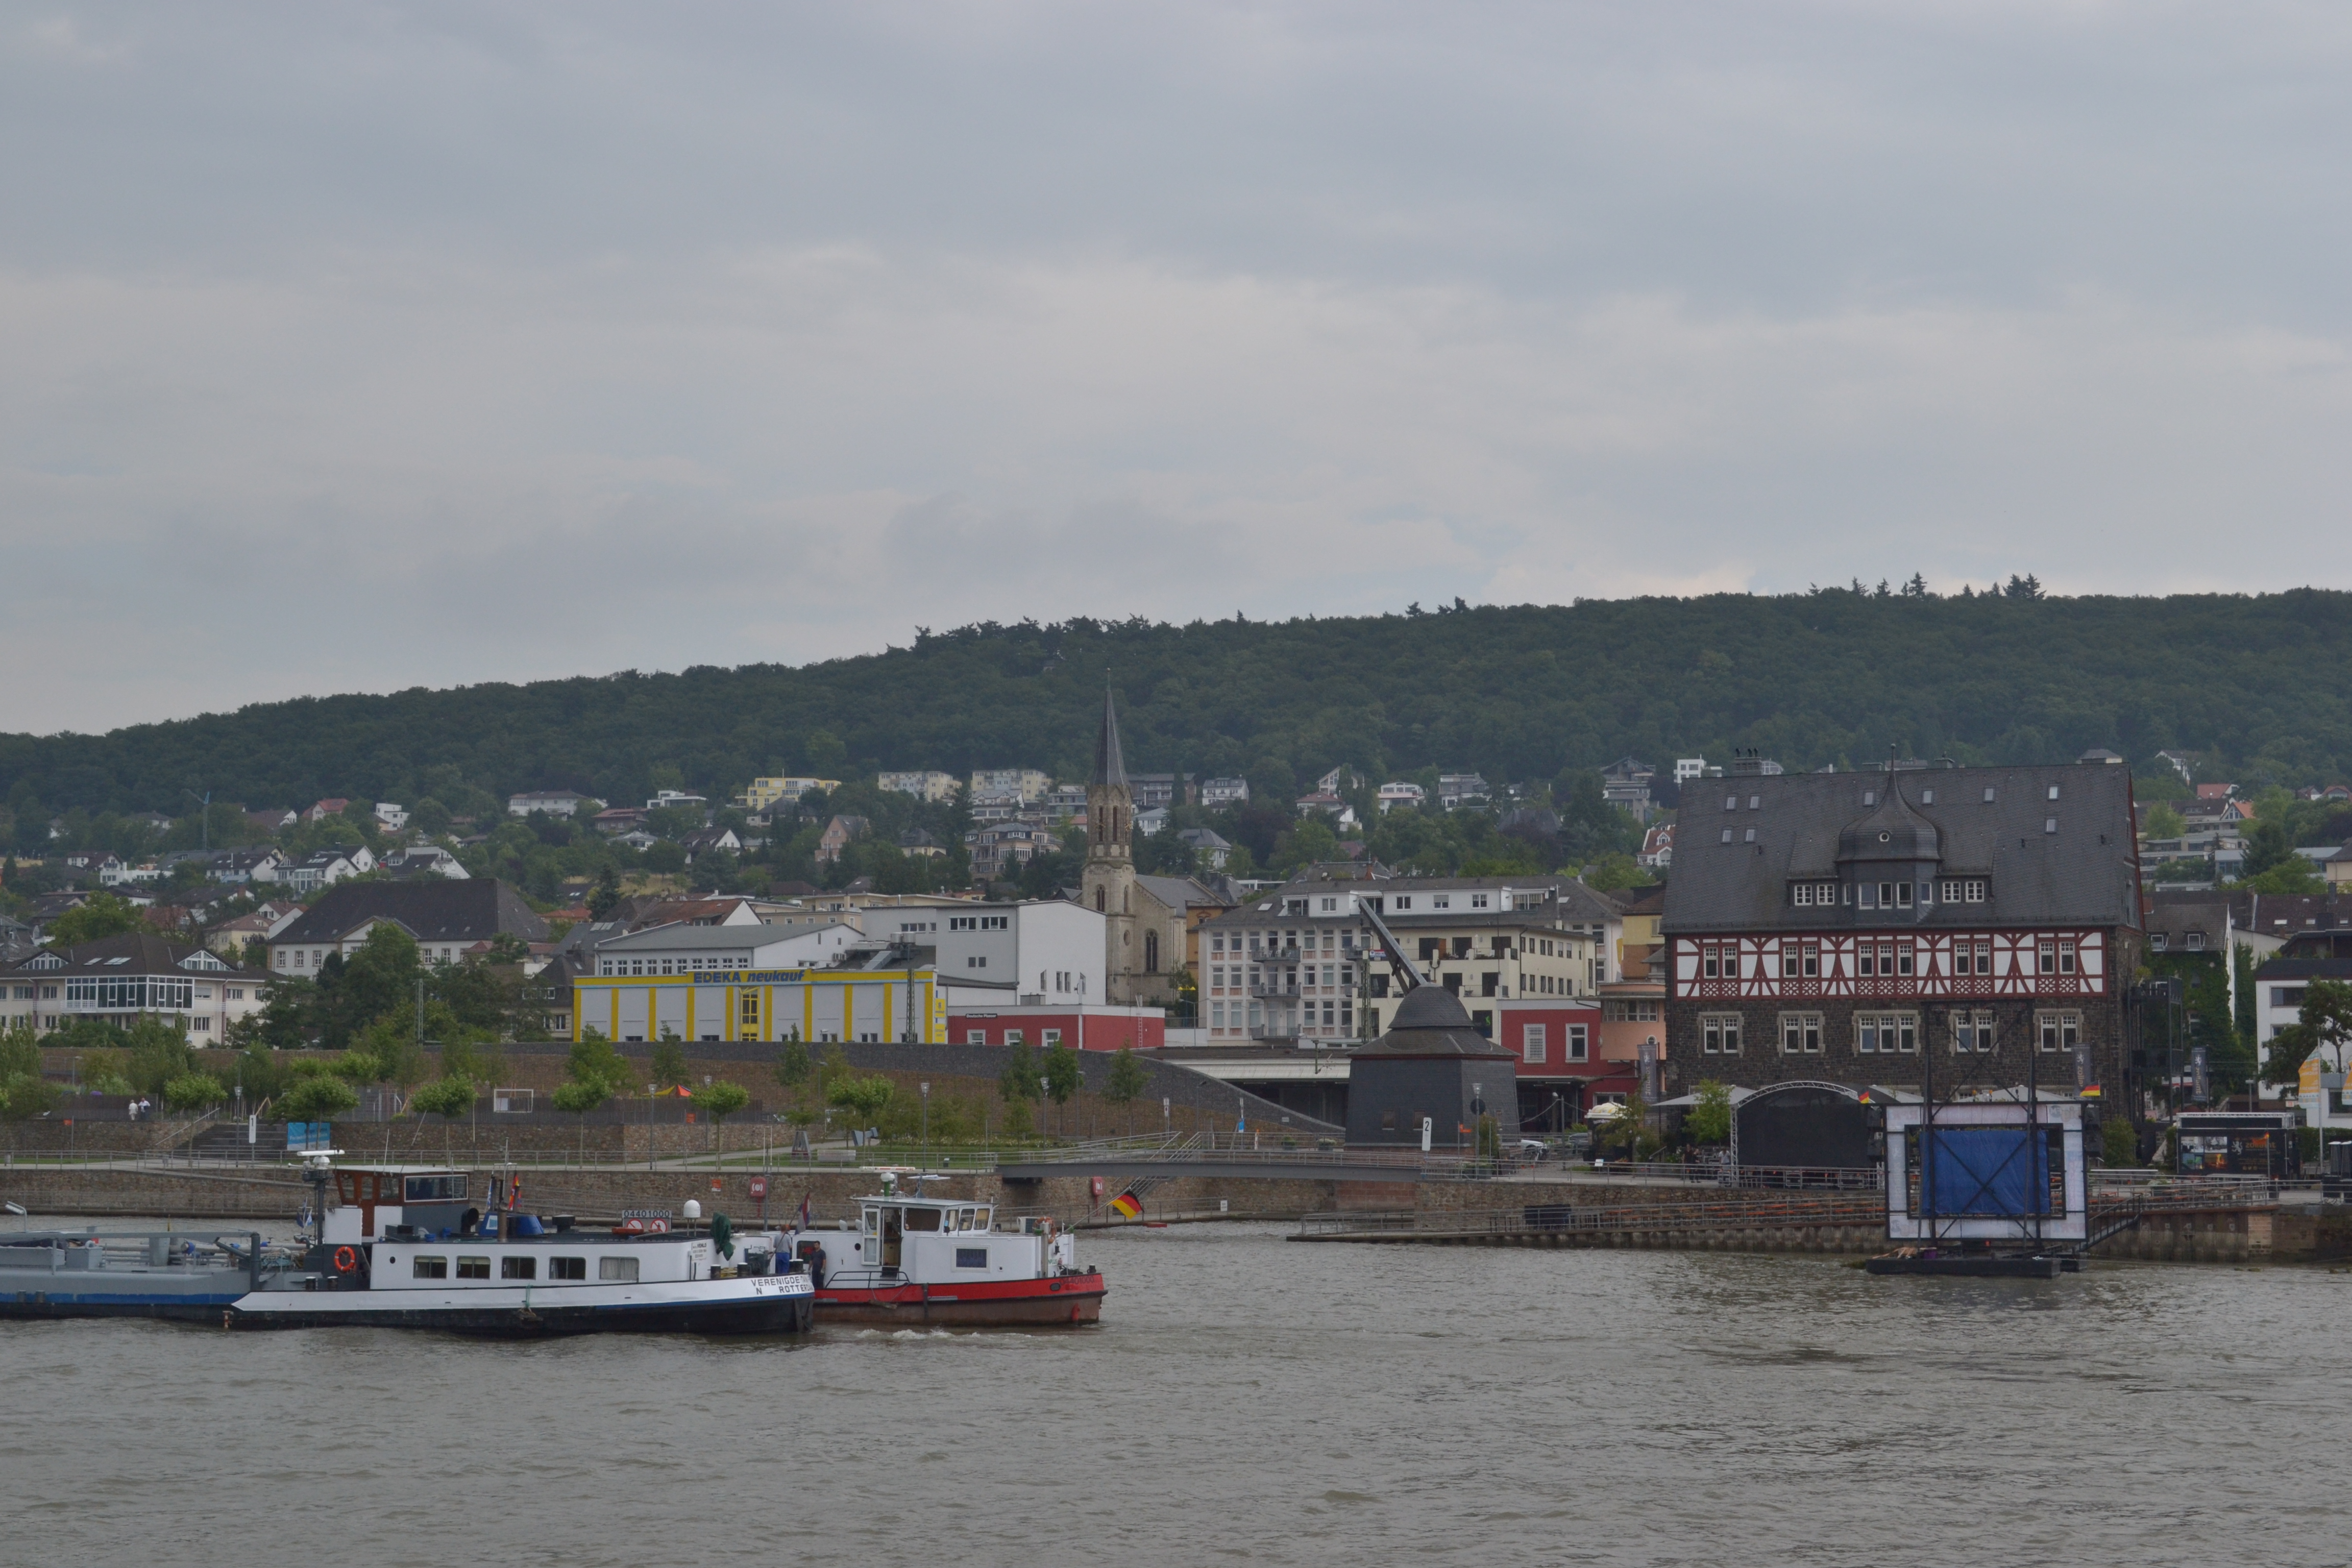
pixel 1833 676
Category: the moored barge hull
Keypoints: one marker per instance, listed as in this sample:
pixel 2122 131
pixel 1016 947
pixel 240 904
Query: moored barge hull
pixel 40 1306
pixel 1031 1303
pixel 784 1315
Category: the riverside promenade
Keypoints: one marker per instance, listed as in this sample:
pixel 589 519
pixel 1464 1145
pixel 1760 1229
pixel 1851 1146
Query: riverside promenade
pixel 1368 1197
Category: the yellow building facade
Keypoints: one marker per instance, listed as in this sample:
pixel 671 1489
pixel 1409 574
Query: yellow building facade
pixel 814 1006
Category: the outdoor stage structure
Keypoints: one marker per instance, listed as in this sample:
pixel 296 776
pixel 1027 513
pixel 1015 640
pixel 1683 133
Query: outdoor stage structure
pixel 1982 1174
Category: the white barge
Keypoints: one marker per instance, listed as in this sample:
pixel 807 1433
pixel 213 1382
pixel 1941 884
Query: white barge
pixel 410 1248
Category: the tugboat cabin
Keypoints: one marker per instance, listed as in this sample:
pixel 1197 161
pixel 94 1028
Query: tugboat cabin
pixel 934 1241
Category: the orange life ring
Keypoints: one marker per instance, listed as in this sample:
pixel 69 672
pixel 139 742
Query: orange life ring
pixel 346 1260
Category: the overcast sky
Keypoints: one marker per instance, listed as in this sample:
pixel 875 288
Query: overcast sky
pixel 353 347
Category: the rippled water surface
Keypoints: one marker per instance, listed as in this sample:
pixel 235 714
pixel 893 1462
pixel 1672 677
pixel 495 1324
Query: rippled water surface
pixel 1247 1400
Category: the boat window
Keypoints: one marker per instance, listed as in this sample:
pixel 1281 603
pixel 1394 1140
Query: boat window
pixel 473 1268
pixel 567 1268
pixel 971 1258
pixel 434 1189
pixel 434 1267
pixel 922 1219
pixel 623 1270
pixel 873 1221
pixel 963 1219
pixel 517 1268
pixel 982 1218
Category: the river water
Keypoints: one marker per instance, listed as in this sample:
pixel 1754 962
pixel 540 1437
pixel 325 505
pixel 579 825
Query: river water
pixel 1247 1400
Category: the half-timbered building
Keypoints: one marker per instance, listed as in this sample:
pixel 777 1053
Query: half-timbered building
pixel 1839 927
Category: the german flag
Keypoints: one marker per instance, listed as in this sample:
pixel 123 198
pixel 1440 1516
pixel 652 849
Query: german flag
pixel 1127 1205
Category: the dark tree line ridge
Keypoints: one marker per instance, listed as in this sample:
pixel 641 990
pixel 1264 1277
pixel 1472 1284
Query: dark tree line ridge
pixel 2260 685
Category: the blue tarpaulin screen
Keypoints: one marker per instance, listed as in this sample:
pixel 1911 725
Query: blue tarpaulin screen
pixel 2000 1172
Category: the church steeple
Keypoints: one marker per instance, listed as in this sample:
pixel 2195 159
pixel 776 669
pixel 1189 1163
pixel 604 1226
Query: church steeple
pixel 1110 803
pixel 1110 767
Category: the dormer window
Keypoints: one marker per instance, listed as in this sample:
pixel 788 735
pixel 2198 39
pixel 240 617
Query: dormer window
pixel 1731 803
pixel 1755 803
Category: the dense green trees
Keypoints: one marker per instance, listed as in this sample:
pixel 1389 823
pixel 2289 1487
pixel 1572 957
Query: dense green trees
pixel 2263 683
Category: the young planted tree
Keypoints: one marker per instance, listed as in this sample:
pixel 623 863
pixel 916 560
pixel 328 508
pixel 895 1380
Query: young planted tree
pixel 1061 1073
pixel 194 1091
pixel 668 1064
pixel 723 1100
pixel 1709 1122
pixel 319 1097
pixel 1126 1083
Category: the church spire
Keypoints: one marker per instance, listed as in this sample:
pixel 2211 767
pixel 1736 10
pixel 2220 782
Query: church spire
pixel 1110 767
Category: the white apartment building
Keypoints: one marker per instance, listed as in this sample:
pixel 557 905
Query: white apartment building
pixel 1047 948
pixel 924 785
pixel 764 792
pixel 1302 964
pixel 119 978
pixel 1029 783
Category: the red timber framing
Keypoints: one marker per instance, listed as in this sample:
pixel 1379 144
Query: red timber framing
pixel 1892 965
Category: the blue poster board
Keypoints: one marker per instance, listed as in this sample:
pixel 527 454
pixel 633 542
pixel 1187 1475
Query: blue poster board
pixel 2001 1171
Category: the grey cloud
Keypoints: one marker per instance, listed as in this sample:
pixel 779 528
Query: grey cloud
pixel 453 343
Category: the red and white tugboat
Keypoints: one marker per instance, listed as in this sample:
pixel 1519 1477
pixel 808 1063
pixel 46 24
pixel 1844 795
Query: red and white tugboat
pixel 934 1260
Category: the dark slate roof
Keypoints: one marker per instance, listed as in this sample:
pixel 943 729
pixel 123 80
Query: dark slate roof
pixel 142 952
pixel 1111 767
pixel 431 909
pixel 2084 873
pixel 1432 1022
pixel 1181 892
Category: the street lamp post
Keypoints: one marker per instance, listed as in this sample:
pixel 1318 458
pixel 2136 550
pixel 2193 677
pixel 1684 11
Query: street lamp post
pixel 927 1126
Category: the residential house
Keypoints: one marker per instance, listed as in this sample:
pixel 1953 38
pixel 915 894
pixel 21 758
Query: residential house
pixel 1403 793
pixel 1155 792
pixel 120 979
pixel 265 921
pixel 1657 850
pixel 1210 845
pixel 1065 803
pixel 391 814
pixel 332 806
pixel 838 834
pixel 1456 790
pixel 915 841
pixel 325 867
pixel 237 868
pixel 275 820
pixel 677 800
pixel 1836 929
pixel 448 919
pixel 2337 867
pixel 553 801
pixel 1001 849
pixel 425 860
pixel 617 820
pixel 708 840
pixel 1689 768
pixel 1225 792
pixel 764 794
pixel 2181 762
pixel 1152 822
pixel 1625 783
pixel 1325 803
pixel 923 785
